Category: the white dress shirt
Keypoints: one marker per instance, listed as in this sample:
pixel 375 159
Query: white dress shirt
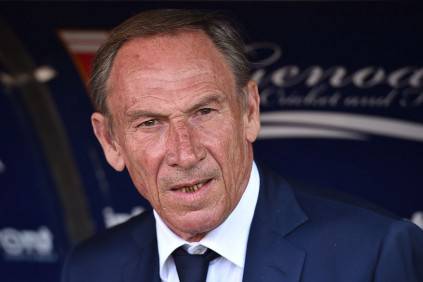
pixel 229 240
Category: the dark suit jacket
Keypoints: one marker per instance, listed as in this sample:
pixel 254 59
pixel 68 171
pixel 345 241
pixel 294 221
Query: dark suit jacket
pixel 294 237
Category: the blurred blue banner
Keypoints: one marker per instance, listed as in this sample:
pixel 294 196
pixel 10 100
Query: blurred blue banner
pixel 341 98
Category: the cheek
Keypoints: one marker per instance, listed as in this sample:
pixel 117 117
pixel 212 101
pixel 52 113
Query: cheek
pixel 217 135
pixel 224 140
pixel 143 156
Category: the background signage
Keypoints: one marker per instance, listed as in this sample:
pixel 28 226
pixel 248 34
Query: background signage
pixel 341 99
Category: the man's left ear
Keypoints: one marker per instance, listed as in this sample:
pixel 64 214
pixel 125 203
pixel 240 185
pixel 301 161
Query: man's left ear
pixel 252 111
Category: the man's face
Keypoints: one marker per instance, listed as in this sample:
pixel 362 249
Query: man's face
pixel 180 129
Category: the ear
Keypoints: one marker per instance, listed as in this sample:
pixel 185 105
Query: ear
pixel 111 149
pixel 252 111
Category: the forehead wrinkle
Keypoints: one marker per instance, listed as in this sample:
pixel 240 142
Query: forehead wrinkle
pixel 197 52
pixel 138 103
pixel 171 82
pixel 154 80
pixel 142 68
pixel 173 106
pixel 147 112
pixel 172 93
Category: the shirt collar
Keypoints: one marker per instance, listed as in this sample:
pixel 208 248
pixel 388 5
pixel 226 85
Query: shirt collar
pixel 229 239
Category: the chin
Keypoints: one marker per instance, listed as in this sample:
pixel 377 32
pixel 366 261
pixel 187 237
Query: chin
pixel 198 223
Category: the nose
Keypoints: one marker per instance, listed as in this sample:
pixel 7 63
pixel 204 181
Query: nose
pixel 184 149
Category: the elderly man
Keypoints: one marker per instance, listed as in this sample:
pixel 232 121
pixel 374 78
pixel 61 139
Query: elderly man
pixel 176 108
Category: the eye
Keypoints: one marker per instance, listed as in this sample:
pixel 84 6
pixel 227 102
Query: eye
pixel 148 123
pixel 205 111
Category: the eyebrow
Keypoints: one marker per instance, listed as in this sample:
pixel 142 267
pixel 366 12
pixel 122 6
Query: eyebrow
pixel 134 115
pixel 204 101
pixel 209 99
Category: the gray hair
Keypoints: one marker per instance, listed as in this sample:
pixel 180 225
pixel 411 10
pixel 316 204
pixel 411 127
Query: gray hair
pixel 222 31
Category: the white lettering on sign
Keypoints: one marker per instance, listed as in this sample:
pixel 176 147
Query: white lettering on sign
pixel 112 218
pixel 336 76
pixel 276 82
pixel 2 166
pixel 22 244
pixel 417 218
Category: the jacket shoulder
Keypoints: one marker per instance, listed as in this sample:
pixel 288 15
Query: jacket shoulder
pixel 110 250
pixel 345 211
pixel 376 243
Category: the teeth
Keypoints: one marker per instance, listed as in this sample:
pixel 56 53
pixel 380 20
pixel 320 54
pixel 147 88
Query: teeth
pixel 192 189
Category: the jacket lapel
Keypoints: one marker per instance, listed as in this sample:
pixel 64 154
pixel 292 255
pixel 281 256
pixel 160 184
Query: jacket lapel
pixel 270 256
pixel 144 266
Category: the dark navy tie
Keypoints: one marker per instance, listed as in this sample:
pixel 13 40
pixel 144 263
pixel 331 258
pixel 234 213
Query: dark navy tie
pixel 192 268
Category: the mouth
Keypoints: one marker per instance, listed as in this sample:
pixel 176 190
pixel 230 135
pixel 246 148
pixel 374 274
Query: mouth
pixel 191 188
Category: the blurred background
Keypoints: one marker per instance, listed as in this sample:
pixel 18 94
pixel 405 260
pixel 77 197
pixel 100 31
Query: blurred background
pixel 341 99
